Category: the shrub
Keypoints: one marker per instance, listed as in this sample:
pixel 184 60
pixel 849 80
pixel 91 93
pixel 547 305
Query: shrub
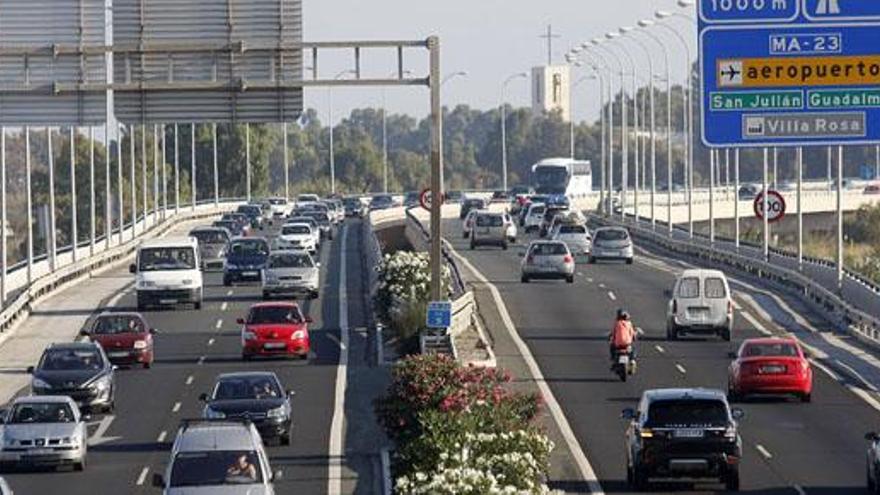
pixel 404 291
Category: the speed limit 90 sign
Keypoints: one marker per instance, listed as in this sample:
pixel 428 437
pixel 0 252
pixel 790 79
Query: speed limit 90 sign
pixel 775 206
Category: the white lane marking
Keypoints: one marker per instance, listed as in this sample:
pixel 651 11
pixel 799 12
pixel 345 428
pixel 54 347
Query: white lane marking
pixel 856 374
pixel 612 296
pixel 176 407
pixel 219 323
pixel 580 274
pixel 755 323
pixel 336 341
pixel 211 341
pixel 201 360
pixel 98 437
pixel 586 469
pixel 334 480
pixel 764 452
pixel 162 436
pixel 800 490
pixel 590 279
pixel 640 331
pixel 224 306
pixel 143 476
pixel 229 292
pixel 189 380
pixel 680 368
pixel 601 286
pixel 660 349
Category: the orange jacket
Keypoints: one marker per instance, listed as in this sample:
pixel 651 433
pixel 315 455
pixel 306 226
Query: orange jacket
pixel 623 334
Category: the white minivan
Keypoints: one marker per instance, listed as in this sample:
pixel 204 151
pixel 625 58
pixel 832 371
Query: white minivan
pixel 167 273
pixel 700 302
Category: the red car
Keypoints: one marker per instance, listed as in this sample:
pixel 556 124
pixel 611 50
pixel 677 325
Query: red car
pixel 773 366
pixel 127 338
pixel 275 329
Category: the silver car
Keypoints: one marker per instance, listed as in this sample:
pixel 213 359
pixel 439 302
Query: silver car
pixel 291 272
pixel 217 457
pixel 213 242
pixel 547 260
pixel 43 431
pixel 612 243
pixel 700 302
pixel 576 237
pixel 489 229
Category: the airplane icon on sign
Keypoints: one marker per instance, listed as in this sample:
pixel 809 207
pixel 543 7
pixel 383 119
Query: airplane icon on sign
pixel 826 7
pixel 730 73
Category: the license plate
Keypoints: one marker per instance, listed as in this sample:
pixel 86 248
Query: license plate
pixel 623 359
pixel 117 354
pixel 250 274
pixel 772 369
pixel 689 433
pixel 167 301
pixel 274 345
pixel 484 230
pixel 40 452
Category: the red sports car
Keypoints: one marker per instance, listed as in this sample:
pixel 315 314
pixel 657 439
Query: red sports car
pixel 275 329
pixel 772 366
pixel 126 338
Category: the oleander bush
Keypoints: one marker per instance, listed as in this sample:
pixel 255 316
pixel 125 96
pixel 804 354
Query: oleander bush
pixel 462 430
pixel 404 291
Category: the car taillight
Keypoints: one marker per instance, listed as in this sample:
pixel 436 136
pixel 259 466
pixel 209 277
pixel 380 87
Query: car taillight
pixel 805 366
pixel 568 259
pixel 729 307
pixel 674 306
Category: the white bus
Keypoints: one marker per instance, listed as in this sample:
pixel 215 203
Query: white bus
pixel 555 176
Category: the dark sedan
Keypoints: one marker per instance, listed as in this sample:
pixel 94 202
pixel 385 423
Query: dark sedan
pixel 245 260
pixel 257 396
pixel 78 370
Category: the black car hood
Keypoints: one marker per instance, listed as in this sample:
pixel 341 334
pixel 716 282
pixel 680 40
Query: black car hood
pixel 67 378
pixel 245 405
pixel 247 259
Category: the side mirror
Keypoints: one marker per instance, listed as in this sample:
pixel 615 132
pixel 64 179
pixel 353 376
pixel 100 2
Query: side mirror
pixel 291 393
pixel 277 475
pixel 158 480
pixel 318 264
pixel 203 397
pixel 667 293
pixel 30 370
pixel 871 437
pixel 154 331
pixel 240 321
pixel 86 417
pixel 309 319
pixel 628 413
pixel 737 413
pixel 114 367
pixel 84 333
pixel 732 355
pixel 132 268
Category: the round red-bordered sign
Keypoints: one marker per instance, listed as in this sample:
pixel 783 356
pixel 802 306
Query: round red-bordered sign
pixel 425 199
pixel 775 206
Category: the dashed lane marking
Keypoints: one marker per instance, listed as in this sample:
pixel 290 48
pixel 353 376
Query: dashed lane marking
pixel 640 331
pixel 660 349
pixel 201 360
pixel 224 306
pixel 764 452
pixel 334 480
pixel 230 292
pixel 161 437
pixel 680 368
pixel 143 476
pixel 189 380
pixel 211 341
pixel 219 323
pixel 176 407
pixel 612 296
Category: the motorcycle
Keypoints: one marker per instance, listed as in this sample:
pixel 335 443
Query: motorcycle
pixel 623 363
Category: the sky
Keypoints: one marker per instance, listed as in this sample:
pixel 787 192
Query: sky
pixel 488 39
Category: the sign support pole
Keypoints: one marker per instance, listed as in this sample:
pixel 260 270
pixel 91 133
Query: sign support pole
pixel 800 212
pixel 30 206
pixel 436 172
pixel 73 234
pixel 766 215
pixel 192 166
pixel 736 198
pixel 839 217
pixel 713 159
pixel 3 213
pixel 91 191
pixel 216 178
pixel 51 158
pixel 176 171
pixel 145 208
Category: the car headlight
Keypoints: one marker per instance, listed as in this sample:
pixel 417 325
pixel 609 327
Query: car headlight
pixel 148 283
pixel 186 282
pixel 247 335
pixel 231 266
pixel 8 441
pixel 140 344
pixel 278 412
pixel 270 277
pixel 212 414
pixel 102 383
pixel 297 335
pixel 39 383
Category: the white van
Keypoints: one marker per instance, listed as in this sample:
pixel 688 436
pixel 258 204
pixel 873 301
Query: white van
pixel 700 302
pixel 167 273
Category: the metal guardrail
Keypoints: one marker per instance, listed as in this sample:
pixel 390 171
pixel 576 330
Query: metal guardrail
pixel 20 304
pixel 861 324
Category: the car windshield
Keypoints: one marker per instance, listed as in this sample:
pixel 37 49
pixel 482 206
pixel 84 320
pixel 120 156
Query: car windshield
pixel 305 198
pixel 247 387
pixel 216 468
pixel 714 288
pixel 538 210
pixel 262 315
pixel 166 258
pixel 489 221
pixel 227 224
pixel 35 412
pixel 235 217
pixel 290 260
pixel 689 288
pixel 612 235
pixel 277 202
pixel 295 229
pixel 251 211
pixel 687 413
pixel 550 179
pixel 572 229
pixel 770 350
pixel 71 360
pixel 321 218
pixel 115 324
pixel 249 247
pixel 309 220
pixel 549 249
pixel 209 236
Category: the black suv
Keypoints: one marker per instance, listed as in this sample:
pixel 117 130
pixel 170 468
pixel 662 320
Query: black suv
pixel 683 434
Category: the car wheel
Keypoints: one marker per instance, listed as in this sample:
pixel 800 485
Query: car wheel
pixel 197 305
pixel 639 479
pixel 284 439
pixel 266 296
pixel 524 279
pixel 148 365
pixel 629 261
pixel 109 408
pixel 569 279
pixel 806 398
pixel 504 246
pixel 226 282
pixel 732 396
pixel 725 334
pixel 591 261
pixel 731 480
pixel 671 332
pixel 246 357
pixel 871 481
pixel 80 466
pixel 473 246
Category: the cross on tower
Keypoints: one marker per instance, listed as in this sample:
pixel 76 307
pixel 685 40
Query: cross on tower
pixel 549 37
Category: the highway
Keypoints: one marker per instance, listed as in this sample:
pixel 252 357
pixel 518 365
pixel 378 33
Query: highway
pixel 193 347
pixel 789 447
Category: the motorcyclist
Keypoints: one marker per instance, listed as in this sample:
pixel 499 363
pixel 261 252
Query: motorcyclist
pixel 623 335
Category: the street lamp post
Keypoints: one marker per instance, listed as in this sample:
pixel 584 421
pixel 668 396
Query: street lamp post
pixel 613 37
pixel 571 120
pixel 624 147
pixel 607 104
pixel 332 127
pixel 504 127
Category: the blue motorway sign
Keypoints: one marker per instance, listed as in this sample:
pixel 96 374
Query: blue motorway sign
pixel 811 80
pixel 439 314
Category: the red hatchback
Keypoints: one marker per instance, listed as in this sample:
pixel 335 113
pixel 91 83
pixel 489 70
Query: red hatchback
pixel 772 366
pixel 127 339
pixel 275 329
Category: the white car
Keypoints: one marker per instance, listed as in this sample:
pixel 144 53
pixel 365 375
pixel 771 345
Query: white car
pixel 297 236
pixel 167 273
pixel 576 237
pixel 511 228
pixel 535 217
pixel 292 273
pixel 612 243
pixel 304 200
pixel 467 225
pixel 279 207
pixel 700 302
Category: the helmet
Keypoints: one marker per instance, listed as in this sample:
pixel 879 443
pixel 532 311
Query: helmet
pixel 622 314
